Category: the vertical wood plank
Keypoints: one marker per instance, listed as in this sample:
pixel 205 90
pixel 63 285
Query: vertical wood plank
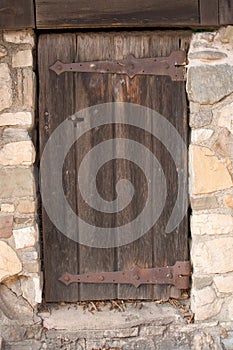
pixel 56 100
pixel 209 13
pixel 225 12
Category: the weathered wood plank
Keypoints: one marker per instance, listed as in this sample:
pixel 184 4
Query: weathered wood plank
pixel 209 15
pixel 56 103
pixel 16 14
pixel 92 13
pixel 225 12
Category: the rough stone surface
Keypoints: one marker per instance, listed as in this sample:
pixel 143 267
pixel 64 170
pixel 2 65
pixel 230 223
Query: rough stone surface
pixel 203 203
pixel 224 284
pixel 26 206
pixel 200 119
pixel 211 224
pixel 16 183
pixel 200 135
pixel 19 37
pixel 209 173
pixel 6 226
pixel 212 256
pixel 207 55
pixel 31 290
pixel 224 144
pixel 225 117
pixel 22 59
pixel 17 119
pixel 25 237
pixel 201 78
pixel 7 208
pixel 228 201
pixel 5 87
pixel 26 88
pixel 10 264
pixel 17 153
pixel 3 53
pixel 15 134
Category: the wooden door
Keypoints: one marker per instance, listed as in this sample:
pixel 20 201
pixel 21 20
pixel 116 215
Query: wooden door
pixel 63 95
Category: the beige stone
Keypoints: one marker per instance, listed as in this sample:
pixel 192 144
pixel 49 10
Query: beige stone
pixel 224 284
pixel 31 290
pixel 209 174
pixel 10 264
pixel 16 183
pixel 22 59
pixel 19 37
pixel 26 206
pixel 25 237
pixel 7 208
pixel 206 312
pixel 17 119
pixel 211 224
pixel 6 226
pixel 3 51
pixel 230 310
pixel 203 203
pixel 200 135
pixel 224 144
pixel 212 256
pixel 225 117
pixel 17 153
pixel 228 201
pixel 5 87
pixel 26 88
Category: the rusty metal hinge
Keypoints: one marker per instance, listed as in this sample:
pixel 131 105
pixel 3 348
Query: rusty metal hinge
pixel 177 275
pixel 173 65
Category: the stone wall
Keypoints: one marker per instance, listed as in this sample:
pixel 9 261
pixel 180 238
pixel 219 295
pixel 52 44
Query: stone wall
pixel 20 283
pixel 210 91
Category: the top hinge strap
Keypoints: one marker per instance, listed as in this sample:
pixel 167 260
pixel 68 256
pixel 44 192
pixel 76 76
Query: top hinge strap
pixel 173 66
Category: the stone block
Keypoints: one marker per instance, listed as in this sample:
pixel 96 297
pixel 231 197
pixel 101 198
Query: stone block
pixel 228 201
pixel 224 284
pixel 200 119
pixel 26 206
pixel 202 282
pixel 225 117
pixel 200 135
pixel 22 59
pixel 212 256
pixel 204 203
pixel 209 174
pixel 211 224
pixel 224 144
pixel 7 208
pixel 19 37
pixel 17 183
pixel 31 290
pixel 26 88
pixel 3 51
pixel 207 55
pixel 10 264
pixel 17 153
pixel 15 134
pixel 207 305
pixel 208 84
pixel 5 87
pixel 25 237
pixel 6 226
pixel 23 119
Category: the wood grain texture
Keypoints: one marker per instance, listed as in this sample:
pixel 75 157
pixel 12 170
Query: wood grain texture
pixel 16 14
pixel 209 13
pixel 71 92
pixel 225 12
pixel 92 13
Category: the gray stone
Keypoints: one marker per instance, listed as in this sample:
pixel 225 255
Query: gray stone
pixel 228 342
pixel 203 118
pixel 202 282
pixel 141 344
pixel 203 203
pixel 207 55
pixel 16 183
pixel 209 84
pixel 5 87
pixel 26 345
